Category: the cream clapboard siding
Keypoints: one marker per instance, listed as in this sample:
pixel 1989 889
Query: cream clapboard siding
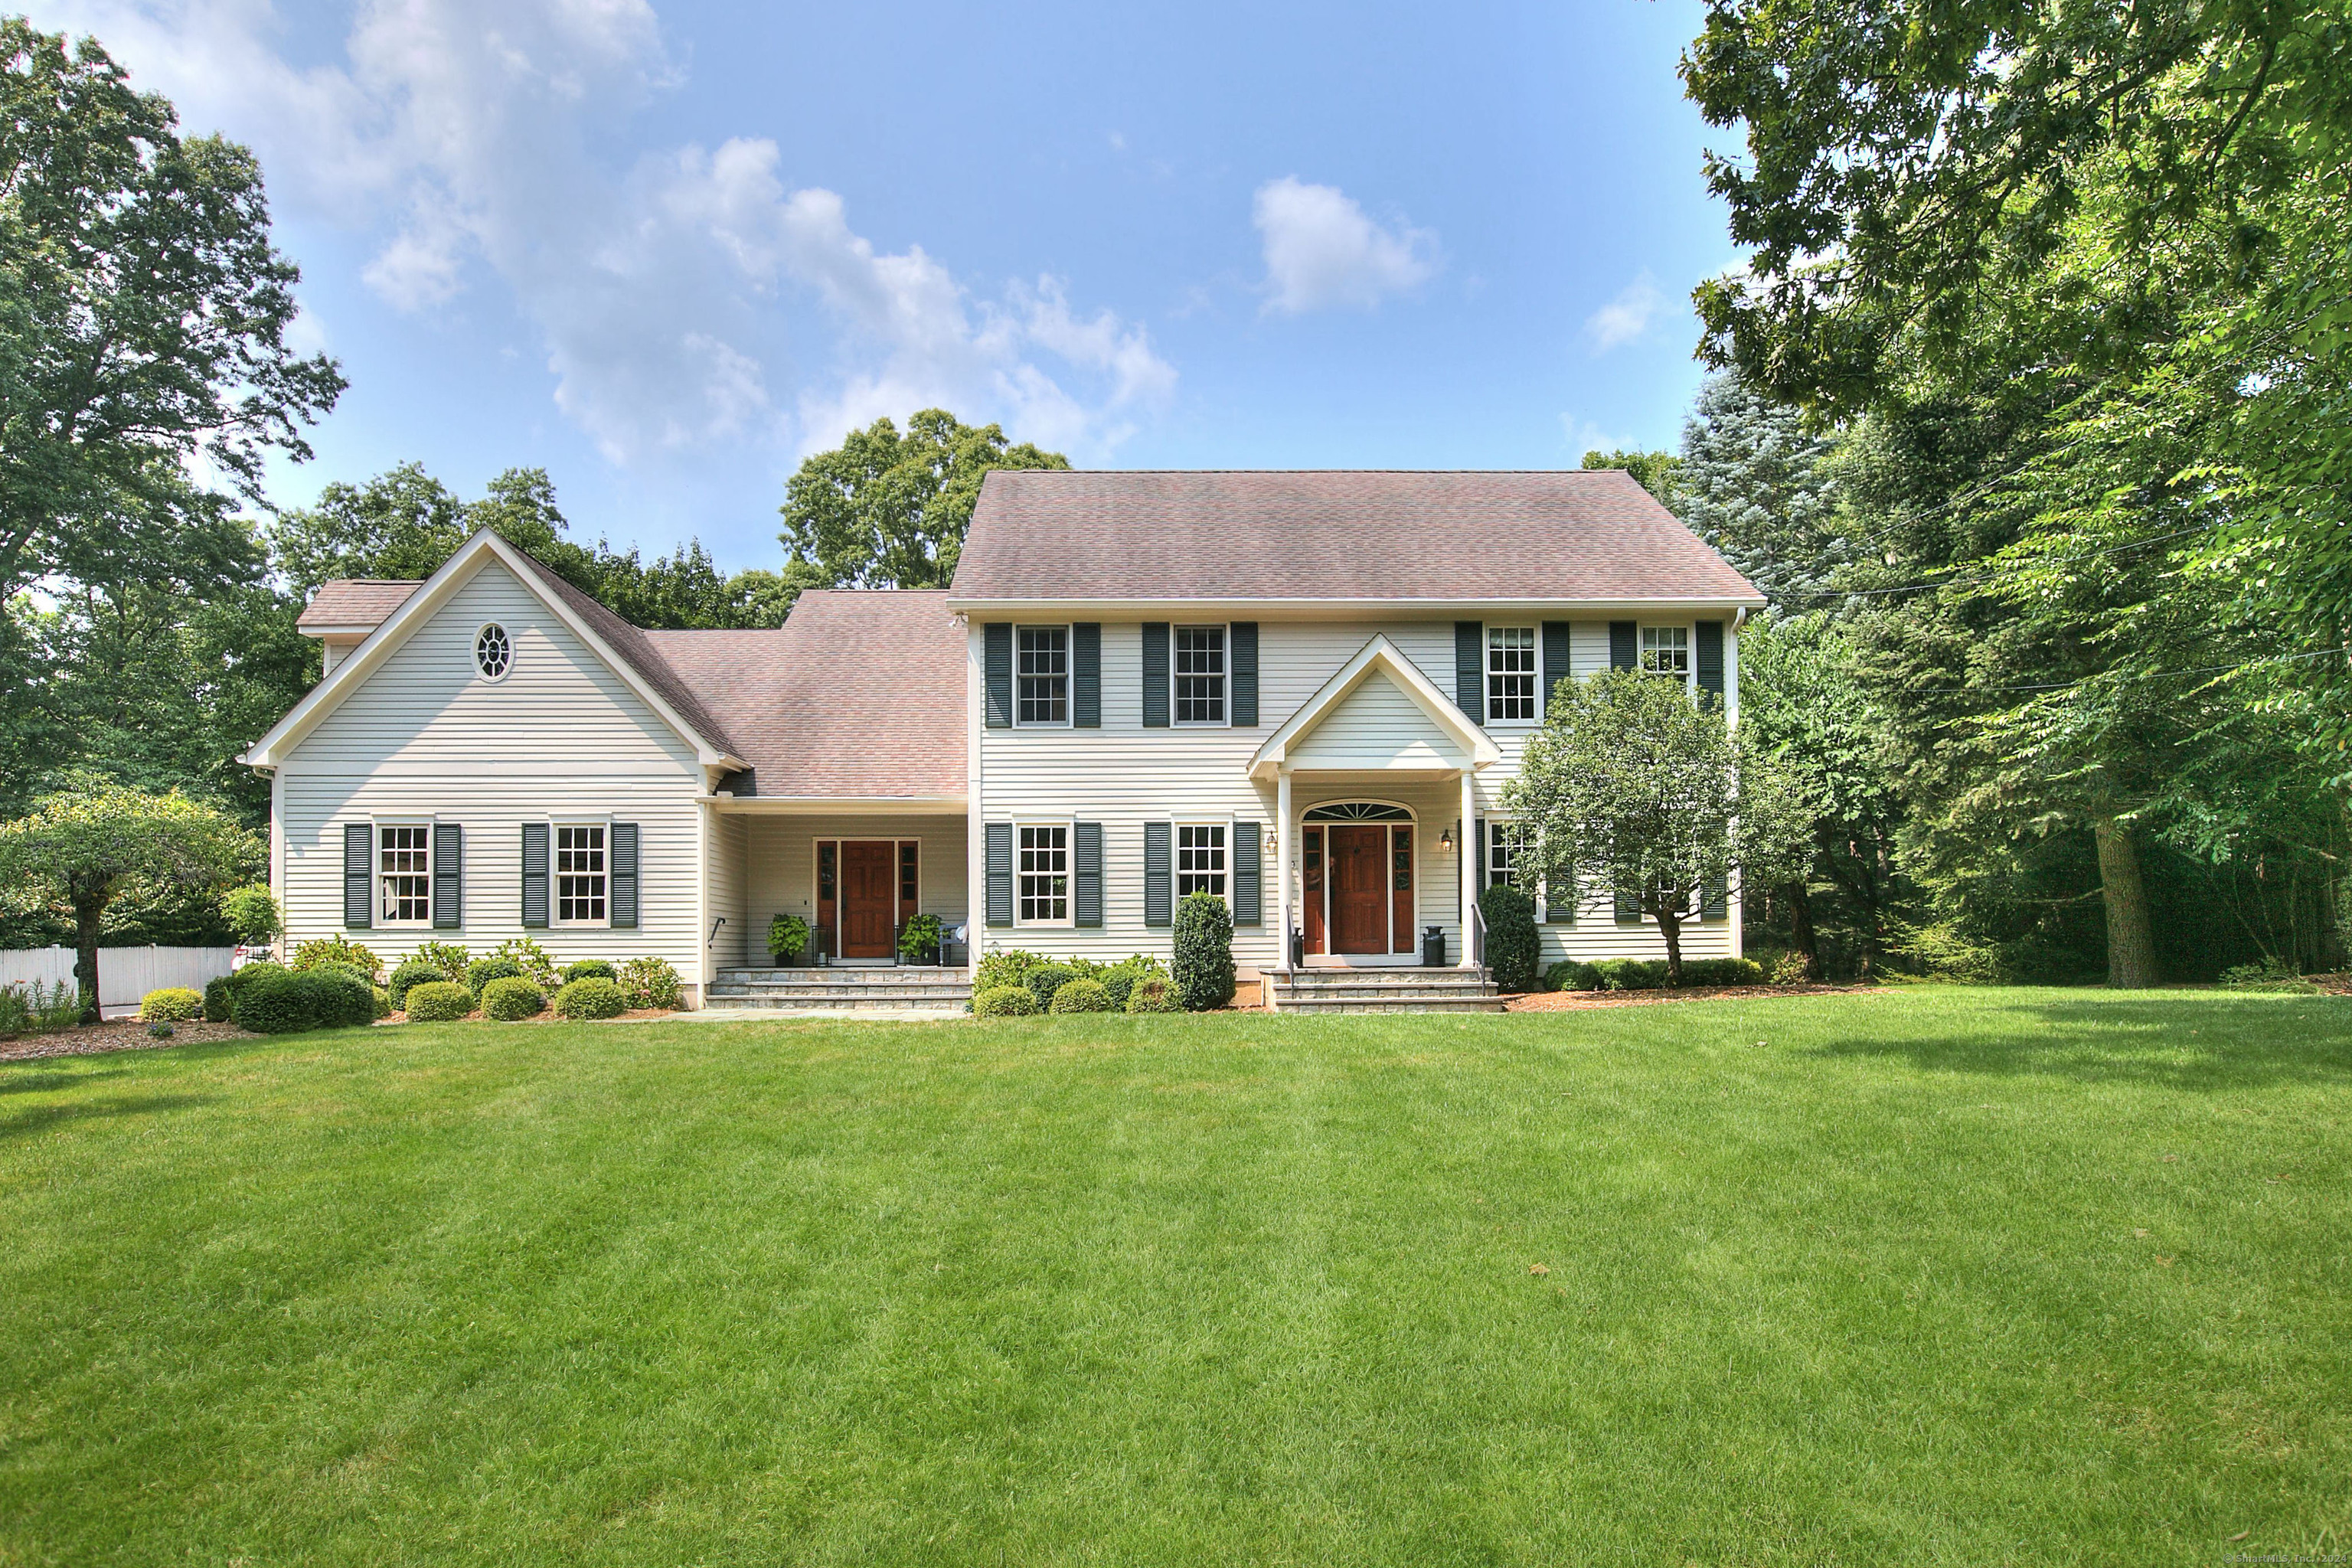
pixel 426 736
pixel 1123 775
pixel 726 875
pixel 780 862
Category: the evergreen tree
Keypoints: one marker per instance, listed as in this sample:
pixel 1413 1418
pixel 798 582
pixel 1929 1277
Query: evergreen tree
pixel 1755 483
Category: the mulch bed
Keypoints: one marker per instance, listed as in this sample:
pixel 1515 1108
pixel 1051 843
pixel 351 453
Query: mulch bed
pixel 1577 1001
pixel 121 1034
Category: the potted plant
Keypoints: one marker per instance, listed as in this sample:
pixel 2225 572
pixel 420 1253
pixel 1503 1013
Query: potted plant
pixel 918 942
pixel 788 937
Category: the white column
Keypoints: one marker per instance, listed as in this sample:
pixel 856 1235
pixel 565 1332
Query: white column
pixel 1468 850
pixel 975 843
pixel 1736 902
pixel 1282 867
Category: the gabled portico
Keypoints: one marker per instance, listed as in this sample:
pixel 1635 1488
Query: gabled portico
pixel 1367 746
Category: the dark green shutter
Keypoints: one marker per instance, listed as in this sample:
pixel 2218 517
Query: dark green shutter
pixel 1628 907
pixel 1558 650
pixel 1086 675
pixel 996 642
pixel 1248 899
pixel 1560 912
pixel 1470 669
pixel 359 893
pixel 1155 675
pixel 1624 646
pixel 623 878
pixel 449 875
pixel 1479 879
pixel 1158 880
pixel 1085 859
pixel 999 873
pixel 1710 661
pixel 1242 658
pixel 1715 903
pixel 534 874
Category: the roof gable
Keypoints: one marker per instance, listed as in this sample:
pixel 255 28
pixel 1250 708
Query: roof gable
pixel 1380 711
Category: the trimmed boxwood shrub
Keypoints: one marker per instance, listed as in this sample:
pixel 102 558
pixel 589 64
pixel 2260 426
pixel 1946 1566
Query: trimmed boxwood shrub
pixel 239 979
pixel 590 968
pixel 1572 974
pixel 1511 951
pixel 482 971
pixel 1047 979
pixel 438 1002
pixel 1004 1002
pixel 1082 995
pixel 1202 968
pixel 1153 994
pixel 216 999
pixel 652 983
pixel 1631 973
pixel 1722 971
pixel 511 998
pixel 286 1003
pixel 591 999
pixel 171 1005
pixel 413 971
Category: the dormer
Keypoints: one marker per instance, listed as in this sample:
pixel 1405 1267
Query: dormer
pixel 344 610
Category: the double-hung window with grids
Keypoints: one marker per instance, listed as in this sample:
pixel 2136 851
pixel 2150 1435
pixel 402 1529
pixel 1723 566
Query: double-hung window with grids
pixel 1666 650
pixel 1511 675
pixel 1508 858
pixel 1200 859
pixel 1043 875
pixel 580 881
pixel 1042 658
pixel 1199 675
pixel 404 874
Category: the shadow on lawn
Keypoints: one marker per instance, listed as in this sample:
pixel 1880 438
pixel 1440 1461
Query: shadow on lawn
pixel 35 1119
pixel 2180 1042
pixel 47 1076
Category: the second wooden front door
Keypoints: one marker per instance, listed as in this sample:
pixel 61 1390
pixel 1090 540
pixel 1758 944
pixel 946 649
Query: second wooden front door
pixel 870 899
pixel 1359 888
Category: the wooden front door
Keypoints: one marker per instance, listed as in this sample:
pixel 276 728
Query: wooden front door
pixel 1359 875
pixel 870 899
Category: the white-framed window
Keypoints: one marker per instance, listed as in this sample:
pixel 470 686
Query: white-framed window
pixel 1201 858
pixel 493 651
pixel 1042 675
pixel 1509 861
pixel 404 873
pixel 1511 675
pixel 579 875
pixel 1666 650
pixel 1042 880
pixel 1199 675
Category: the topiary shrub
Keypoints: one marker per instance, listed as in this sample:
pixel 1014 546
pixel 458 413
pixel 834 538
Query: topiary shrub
pixel 1572 974
pixel 513 997
pixel 482 971
pixel 324 950
pixel 413 971
pixel 1005 966
pixel 438 1002
pixel 345 1002
pixel 652 983
pixel 1722 971
pixel 171 1005
pixel 1511 950
pixel 1045 980
pixel 591 999
pixel 590 968
pixel 1082 995
pixel 1004 1002
pixel 216 999
pixel 1202 968
pixel 1153 994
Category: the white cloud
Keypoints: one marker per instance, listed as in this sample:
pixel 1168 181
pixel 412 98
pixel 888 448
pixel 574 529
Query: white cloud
pixel 1626 317
pixel 1321 250
pixel 670 297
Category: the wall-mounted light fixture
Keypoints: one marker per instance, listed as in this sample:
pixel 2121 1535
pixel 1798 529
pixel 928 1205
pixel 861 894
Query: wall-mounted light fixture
pixel 1270 841
pixel 1445 840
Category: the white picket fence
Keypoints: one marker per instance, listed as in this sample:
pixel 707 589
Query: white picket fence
pixel 124 974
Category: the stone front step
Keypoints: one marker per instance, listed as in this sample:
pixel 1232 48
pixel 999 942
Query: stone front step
pixel 910 976
pixel 1385 991
pixel 1319 1005
pixel 836 1004
pixel 840 990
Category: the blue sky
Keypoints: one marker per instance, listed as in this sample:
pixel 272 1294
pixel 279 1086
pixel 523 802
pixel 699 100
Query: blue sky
pixel 665 249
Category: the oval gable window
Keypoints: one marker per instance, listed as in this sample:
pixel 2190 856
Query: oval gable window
pixel 493 653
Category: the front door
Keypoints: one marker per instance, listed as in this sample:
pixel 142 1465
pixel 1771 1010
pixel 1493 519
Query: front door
pixel 1359 875
pixel 870 899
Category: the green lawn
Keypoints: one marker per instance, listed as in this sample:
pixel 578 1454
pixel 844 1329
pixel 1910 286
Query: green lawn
pixel 1940 1276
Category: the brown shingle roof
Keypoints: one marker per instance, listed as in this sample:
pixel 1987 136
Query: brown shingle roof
pixel 860 695
pixel 354 602
pixel 1459 537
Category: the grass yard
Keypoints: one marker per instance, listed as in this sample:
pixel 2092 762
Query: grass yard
pixel 1932 1277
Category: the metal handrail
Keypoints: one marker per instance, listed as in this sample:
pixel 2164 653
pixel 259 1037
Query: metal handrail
pixel 1478 937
